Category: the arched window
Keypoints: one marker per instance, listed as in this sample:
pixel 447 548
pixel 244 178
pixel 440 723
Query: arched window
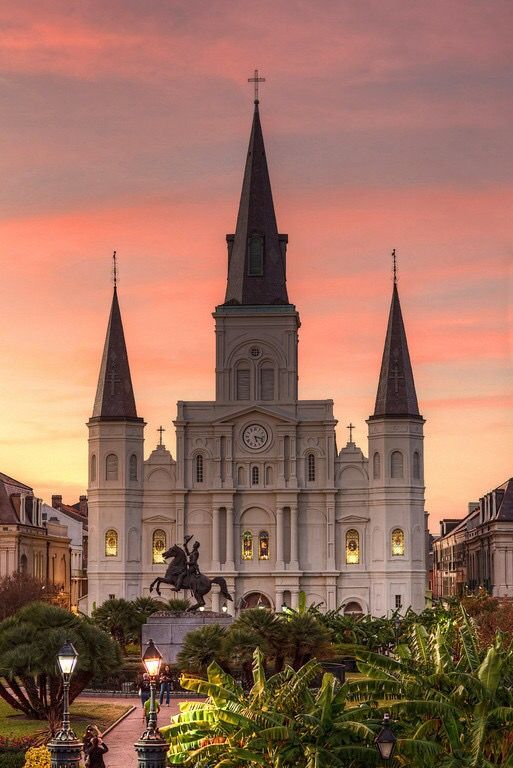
pixel 158 546
pixel 242 383
pixel 397 542
pixel 376 466
pixel 396 464
pixel 111 543
pixel 247 545
pixel 267 383
pixel 93 468
pixel 263 545
pixel 353 609
pixel 416 465
pixel 199 468
pixel 111 467
pixel 310 467
pixel 133 467
pixel 352 547
pixel 255 476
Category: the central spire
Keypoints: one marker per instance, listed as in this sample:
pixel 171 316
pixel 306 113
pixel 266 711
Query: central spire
pixel 256 252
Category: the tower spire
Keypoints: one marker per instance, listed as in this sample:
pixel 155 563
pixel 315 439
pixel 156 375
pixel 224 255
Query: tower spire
pixel 115 399
pixel 396 394
pixel 256 252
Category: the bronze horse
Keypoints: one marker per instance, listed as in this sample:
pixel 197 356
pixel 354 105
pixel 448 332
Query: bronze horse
pixel 198 585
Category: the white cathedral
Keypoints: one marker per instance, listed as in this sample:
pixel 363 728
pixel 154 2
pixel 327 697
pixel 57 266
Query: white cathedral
pixel 258 479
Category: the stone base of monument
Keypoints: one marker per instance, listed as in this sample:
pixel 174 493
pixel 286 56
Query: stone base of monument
pixel 168 630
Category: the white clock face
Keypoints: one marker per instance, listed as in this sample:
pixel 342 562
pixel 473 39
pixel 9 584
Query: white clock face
pixel 255 436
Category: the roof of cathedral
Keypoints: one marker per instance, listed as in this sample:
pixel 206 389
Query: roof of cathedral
pixel 115 399
pixel 396 389
pixel 256 217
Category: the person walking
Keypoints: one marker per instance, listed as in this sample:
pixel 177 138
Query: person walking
pixel 165 684
pixel 94 757
pixel 90 732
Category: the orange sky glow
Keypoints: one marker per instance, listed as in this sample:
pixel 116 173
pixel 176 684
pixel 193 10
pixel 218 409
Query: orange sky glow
pixel 387 124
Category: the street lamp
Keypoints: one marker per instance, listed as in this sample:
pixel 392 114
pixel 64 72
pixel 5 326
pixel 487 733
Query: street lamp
pixel 65 748
pixel 151 748
pixel 385 740
pixel 224 608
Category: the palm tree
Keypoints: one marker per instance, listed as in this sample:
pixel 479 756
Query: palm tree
pixel 120 618
pixel 29 643
pixel 201 647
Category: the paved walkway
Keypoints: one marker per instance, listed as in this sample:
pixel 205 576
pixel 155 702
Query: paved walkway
pixel 122 738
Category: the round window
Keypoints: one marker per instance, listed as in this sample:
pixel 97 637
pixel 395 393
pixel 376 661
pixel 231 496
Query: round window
pixel 254 351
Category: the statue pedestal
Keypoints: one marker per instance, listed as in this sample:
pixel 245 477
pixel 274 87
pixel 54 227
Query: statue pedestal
pixel 168 630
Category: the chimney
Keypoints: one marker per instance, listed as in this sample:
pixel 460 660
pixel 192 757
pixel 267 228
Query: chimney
pixel 56 501
pixel 83 505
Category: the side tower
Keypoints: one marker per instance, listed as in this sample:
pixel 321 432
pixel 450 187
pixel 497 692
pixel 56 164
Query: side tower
pixel 256 327
pixel 396 479
pixel 115 492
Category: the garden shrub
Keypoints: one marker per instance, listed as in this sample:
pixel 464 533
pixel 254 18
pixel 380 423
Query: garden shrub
pixel 12 759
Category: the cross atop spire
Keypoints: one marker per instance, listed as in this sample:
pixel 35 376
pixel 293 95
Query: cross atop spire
pixel 114 269
pixel 256 80
pixel 396 389
pixel 115 399
pixel 394 261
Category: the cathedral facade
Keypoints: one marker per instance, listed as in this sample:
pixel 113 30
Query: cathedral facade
pixel 257 478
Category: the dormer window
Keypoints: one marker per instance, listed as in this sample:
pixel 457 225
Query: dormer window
pixel 255 255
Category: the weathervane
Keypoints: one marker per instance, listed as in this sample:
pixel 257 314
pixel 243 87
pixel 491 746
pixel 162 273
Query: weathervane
pixel 114 269
pixel 255 79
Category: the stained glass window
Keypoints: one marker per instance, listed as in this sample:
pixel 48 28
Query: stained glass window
pixel 397 542
pixel 352 547
pixel 247 545
pixel 158 546
pixel 111 543
pixel 111 467
pixel 263 545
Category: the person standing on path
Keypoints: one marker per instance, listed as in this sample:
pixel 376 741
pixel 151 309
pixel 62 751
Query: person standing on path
pixel 144 692
pixel 165 684
pixel 94 758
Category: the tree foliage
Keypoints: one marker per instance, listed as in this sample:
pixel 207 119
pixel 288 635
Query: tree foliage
pixel 29 643
pixel 19 589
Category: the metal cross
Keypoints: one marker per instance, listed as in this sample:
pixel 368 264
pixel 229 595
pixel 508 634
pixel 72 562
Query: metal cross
pixel 114 269
pixel 394 259
pixel 255 79
pixel 161 429
pixel 350 427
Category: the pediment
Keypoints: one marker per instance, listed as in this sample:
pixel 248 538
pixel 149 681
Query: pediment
pixel 257 410
pixel 159 519
pixel 352 518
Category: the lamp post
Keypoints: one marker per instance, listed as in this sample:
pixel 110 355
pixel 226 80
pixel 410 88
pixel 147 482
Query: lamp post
pixel 65 748
pixel 151 748
pixel 385 740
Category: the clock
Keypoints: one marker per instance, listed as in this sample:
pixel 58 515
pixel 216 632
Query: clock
pixel 255 436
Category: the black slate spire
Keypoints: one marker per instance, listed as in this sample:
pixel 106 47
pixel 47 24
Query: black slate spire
pixel 396 389
pixel 115 396
pixel 256 253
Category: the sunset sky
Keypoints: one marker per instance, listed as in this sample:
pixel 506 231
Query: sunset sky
pixel 124 124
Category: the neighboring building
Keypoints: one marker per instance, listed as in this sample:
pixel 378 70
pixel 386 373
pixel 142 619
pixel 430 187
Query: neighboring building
pixel 258 479
pixel 478 550
pixel 28 543
pixel 75 518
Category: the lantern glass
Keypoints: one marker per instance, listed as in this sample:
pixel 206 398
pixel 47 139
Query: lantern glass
pixel 67 658
pixel 385 740
pixel 152 659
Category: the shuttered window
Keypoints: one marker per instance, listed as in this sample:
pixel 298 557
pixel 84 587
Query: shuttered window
pixel 243 384
pixel 267 384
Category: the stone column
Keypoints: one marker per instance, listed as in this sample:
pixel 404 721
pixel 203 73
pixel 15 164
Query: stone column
pixel 294 541
pixel 215 599
pixel 294 598
pixel 215 537
pixel 278 600
pixel 230 565
pixel 279 539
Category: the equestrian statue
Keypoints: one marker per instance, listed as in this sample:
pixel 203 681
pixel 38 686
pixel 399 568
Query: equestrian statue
pixel 183 573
